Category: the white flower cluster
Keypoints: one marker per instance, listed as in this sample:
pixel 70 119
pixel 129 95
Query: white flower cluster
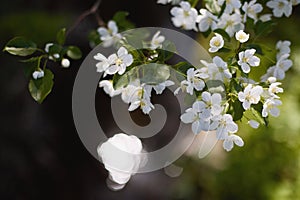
pixel 247 58
pixel 232 19
pixel 110 35
pixel 135 94
pixel 283 63
pixel 208 114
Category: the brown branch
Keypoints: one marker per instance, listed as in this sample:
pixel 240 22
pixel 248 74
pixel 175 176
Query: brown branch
pixel 92 10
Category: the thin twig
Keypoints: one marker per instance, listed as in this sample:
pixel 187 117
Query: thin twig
pixel 92 10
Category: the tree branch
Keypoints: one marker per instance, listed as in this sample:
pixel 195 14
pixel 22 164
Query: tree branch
pixel 92 10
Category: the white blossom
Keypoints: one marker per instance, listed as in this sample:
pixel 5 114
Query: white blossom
pixel 194 81
pixel 274 89
pixel 207 20
pixel 295 2
pixel 216 43
pixel 282 65
pixel 270 107
pixel 283 47
pixel 168 1
pixel 157 41
pixel 271 80
pixel 231 140
pixel 115 63
pixel 265 17
pixel 202 112
pixel 108 88
pixel 47 46
pixel 164 1
pixel 217 70
pixel 280 7
pixel 65 62
pixel 250 95
pixel 225 126
pixel 253 123
pixel 231 23
pixel 38 74
pixel 191 115
pixel 212 104
pixel 230 5
pixel 251 10
pixel 109 35
pixel 138 96
pixel 104 62
pixel 247 59
pixel 120 156
pixel 159 88
pixel 184 16
pixel 241 36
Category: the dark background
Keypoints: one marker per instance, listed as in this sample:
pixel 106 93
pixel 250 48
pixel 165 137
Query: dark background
pixel 42 157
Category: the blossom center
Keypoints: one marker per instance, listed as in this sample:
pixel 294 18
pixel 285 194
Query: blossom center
pixel 245 59
pixel 217 43
pixel 119 61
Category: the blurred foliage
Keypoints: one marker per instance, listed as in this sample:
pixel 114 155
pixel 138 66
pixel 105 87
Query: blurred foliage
pixel 37 26
pixel 268 166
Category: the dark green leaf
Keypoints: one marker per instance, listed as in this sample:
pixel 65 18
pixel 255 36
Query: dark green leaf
pixel 256 110
pixel 235 86
pixel 224 50
pixel 55 49
pixel 20 46
pixel 122 23
pixel 94 38
pixel 193 2
pixel 263 28
pixel 167 51
pixel 74 52
pixel 40 88
pixel 183 67
pixel 120 81
pixel 32 59
pixel 61 36
pixel 238 110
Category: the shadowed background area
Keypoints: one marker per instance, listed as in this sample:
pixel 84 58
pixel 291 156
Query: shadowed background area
pixel 42 157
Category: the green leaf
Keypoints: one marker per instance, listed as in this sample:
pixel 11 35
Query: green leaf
pixel 135 38
pixel 193 2
pixel 167 51
pixel 40 88
pixel 20 46
pixel 154 73
pixel 256 110
pixel 263 28
pixel 61 36
pixel 235 86
pixel 122 22
pixel 55 49
pixel 238 110
pixel 94 38
pixel 223 33
pixel 183 67
pixel 32 59
pixel 74 52
pixel 120 81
